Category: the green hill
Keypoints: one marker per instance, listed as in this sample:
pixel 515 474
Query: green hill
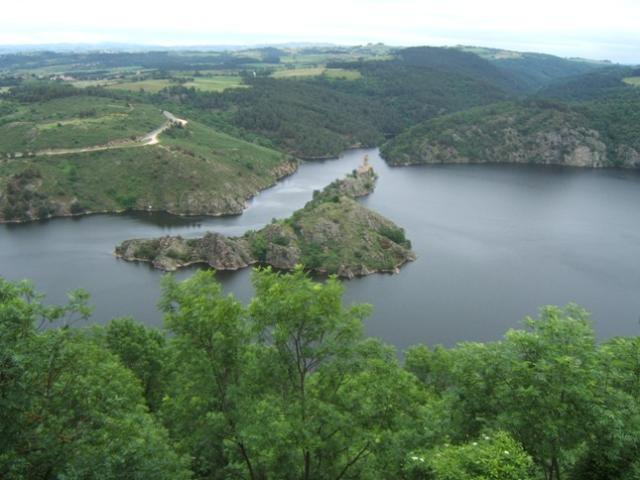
pixel 598 84
pixel 193 170
pixel 455 61
pixel 532 71
pixel 319 116
pixel 73 122
pixel 600 134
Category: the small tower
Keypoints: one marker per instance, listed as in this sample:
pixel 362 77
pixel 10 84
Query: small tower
pixel 365 167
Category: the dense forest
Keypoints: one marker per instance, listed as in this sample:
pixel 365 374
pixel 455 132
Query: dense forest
pixel 287 387
pixel 584 120
pixel 384 91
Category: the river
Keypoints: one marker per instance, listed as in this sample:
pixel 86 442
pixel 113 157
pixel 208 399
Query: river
pixel 494 242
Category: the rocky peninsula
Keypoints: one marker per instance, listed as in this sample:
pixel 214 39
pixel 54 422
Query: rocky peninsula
pixel 331 234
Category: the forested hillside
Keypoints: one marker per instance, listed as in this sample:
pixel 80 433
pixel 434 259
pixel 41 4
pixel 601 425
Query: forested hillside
pixel 319 116
pixel 531 71
pixel 287 387
pixel 249 111
pixel 68 151
pixel 589 120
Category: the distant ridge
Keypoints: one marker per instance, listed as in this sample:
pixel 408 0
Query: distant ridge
pixel 136 47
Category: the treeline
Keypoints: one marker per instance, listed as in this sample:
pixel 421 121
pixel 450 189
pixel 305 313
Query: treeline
pixel 288 388
pixel 37 92
pixel 161 60
pixel 320 117
pixel 599 84
pixel 596 110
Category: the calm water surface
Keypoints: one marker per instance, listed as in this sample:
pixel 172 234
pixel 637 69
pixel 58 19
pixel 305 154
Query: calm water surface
pixel 493 244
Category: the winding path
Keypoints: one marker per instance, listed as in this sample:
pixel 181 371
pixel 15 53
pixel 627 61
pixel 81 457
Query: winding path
pixel 150 138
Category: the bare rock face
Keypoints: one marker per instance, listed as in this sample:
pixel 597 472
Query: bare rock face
pixel 164 253
pixel 171 253
pixel 223 253
pixel 282 257
pixel 282 251
pixel 572 147
pixel 204 203
pixel 530 132
pixel 576 148
pixel 629 157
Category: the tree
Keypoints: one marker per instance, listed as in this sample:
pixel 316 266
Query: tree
pixel 286 388
pixel 493 456
pixel 550 390
pixel 141 350
pixel 68 408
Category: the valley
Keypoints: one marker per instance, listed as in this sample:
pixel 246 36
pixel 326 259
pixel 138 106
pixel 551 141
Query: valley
pixel 313 261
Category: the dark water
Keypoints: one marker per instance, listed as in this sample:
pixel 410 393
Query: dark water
pixel 493 244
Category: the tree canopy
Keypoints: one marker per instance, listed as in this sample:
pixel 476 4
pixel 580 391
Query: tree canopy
pixel 287 387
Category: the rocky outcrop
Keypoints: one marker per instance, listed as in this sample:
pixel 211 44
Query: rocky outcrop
pixel 332 234
pixel 223 253
pixel 532 133
pixel 170 253
pixel 578 147
pixel 359 183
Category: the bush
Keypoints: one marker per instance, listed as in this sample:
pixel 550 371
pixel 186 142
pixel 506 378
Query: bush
pixel 492 457
pixel 396 235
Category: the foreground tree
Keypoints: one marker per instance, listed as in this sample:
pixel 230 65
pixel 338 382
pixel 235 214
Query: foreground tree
pixel 286 389
pixel 549 396
pixel 541 385
pixel 68 408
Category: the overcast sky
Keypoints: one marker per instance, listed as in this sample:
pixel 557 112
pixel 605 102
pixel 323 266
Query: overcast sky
pixel 600 30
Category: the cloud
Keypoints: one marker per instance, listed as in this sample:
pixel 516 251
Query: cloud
pixel 567 27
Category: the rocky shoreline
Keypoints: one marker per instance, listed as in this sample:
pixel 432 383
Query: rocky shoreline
pixel 332 234
pixel 225 206
pixel 512 133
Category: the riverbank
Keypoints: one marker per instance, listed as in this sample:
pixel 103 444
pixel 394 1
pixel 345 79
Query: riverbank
pixel 332 234
pixel 193 171
pixel 494 242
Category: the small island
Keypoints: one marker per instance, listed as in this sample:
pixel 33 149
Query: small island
pixel 331 234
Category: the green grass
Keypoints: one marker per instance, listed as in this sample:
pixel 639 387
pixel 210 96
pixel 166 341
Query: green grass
pixel 193 170
pixel 635 81
pixel 299 72
pixel 316 72
pixel 75 122
pixel 342 73
pixel 216 83
pixel 151 86
pixel 92 83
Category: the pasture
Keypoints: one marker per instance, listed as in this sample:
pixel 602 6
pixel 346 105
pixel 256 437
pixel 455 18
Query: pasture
pixel 340 73
pixel 75 122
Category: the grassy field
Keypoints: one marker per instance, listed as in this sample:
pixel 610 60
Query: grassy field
pixel 151 86
pixel 214 83
pixel 74 122
pixel 317 71
pixel 299 72
pixel 217 83
pixel 92 83
pixel 635 81
pixel 342 73
pixel 193 170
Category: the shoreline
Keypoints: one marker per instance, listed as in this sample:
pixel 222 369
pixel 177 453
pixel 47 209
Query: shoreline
pixel 278 178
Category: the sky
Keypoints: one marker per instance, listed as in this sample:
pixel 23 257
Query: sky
pixel 570 28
